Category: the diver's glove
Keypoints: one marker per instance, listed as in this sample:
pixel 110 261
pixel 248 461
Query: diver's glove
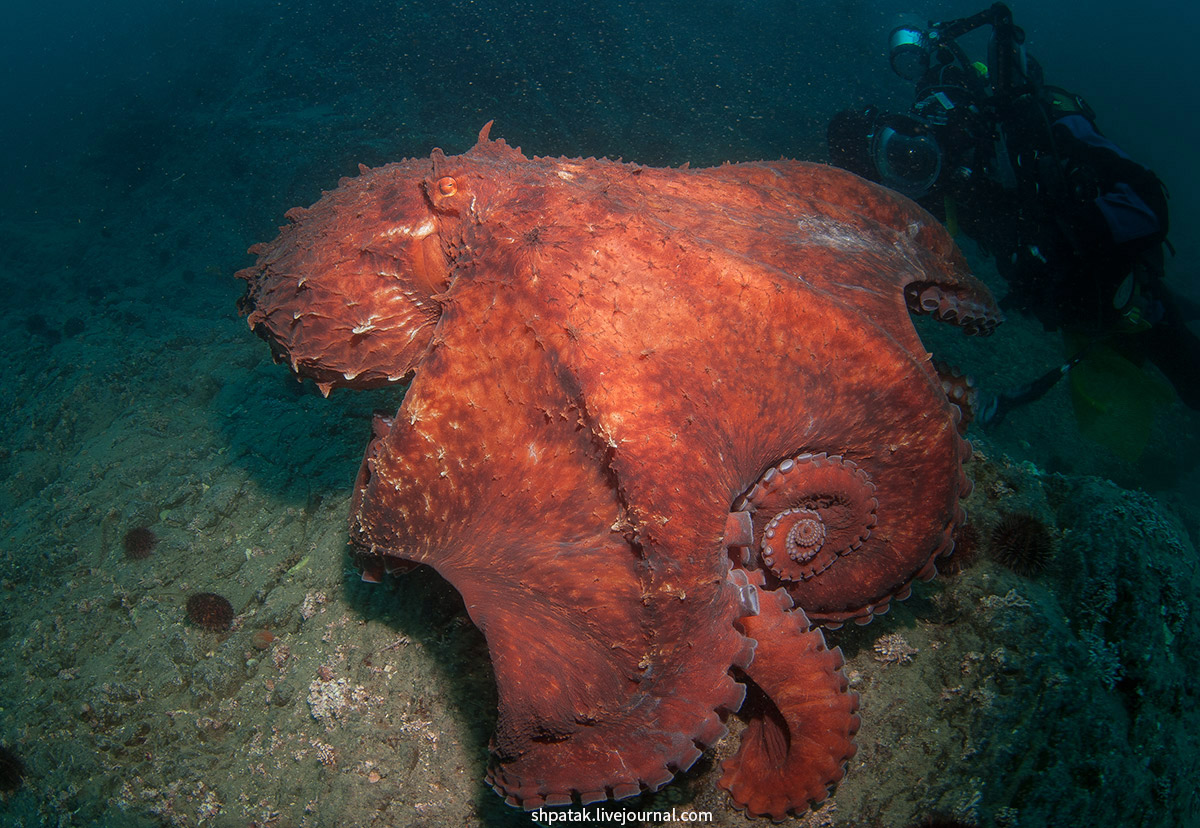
pixel 995 407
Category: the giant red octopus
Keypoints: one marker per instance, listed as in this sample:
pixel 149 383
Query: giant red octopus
pixel 662 425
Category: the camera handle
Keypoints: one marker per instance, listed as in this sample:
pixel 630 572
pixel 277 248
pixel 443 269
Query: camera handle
pixel 1007 39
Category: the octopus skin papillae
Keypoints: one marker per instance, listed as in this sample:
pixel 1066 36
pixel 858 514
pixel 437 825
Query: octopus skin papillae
pixel 662 425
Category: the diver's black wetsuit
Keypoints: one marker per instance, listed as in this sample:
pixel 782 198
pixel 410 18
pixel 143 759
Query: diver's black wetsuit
pixel 1076 226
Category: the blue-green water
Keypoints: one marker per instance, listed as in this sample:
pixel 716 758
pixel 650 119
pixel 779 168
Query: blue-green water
pixel 144 147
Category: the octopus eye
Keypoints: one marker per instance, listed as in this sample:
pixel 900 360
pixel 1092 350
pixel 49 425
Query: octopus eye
pixel 447 186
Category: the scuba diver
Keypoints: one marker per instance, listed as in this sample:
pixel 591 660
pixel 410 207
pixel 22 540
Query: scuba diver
pixel 1076 226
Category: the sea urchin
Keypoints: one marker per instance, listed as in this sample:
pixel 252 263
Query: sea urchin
pixel 210 611
pixel 1022 543
pixel 12 770
pixel 139 543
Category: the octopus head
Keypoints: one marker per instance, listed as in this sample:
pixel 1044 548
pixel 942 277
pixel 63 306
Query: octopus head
pixel 348 292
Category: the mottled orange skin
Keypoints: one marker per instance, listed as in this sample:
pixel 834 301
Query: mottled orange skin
pixel 607 357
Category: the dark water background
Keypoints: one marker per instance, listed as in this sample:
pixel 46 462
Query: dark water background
pixel 708 81
pixel 130 85
pixel 149 144
pixel 145 145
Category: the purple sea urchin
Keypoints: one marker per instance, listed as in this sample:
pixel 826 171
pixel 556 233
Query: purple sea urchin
pixel 139 543
pixel 1023 543
pixel 12 770
pixel 210 611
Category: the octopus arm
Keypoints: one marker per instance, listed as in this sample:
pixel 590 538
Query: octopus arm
pixel 612 717
pixel 501 487
pixel 836 220
pixel 801 717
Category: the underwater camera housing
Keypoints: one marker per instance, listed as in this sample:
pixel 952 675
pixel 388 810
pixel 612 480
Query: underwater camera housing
pixel 910 152
pixel 906 154
pixel 913 49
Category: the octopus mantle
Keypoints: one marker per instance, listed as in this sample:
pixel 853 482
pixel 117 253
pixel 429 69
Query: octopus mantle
pixel 660 423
